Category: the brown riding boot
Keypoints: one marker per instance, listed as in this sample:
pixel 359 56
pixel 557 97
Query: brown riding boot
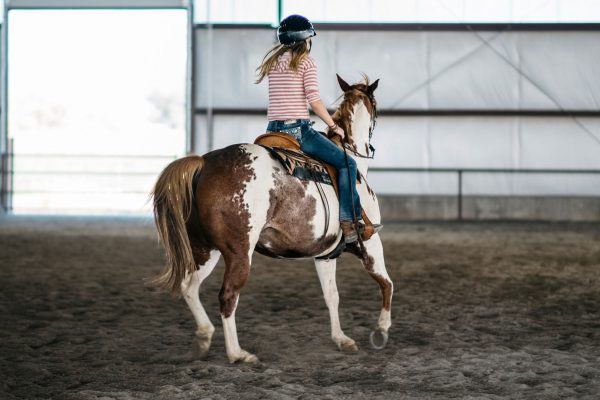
pixel 349 232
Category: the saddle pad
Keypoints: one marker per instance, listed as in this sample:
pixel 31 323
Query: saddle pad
pixel 300 165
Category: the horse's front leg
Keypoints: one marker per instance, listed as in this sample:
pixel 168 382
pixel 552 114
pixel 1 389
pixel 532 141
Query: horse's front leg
pixel 326 271
pixel 375 265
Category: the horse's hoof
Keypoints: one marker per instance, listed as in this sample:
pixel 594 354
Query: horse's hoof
pixel 251 359
pixel 344 343
pixel 244 357
pixel 378 338
pixel 347 345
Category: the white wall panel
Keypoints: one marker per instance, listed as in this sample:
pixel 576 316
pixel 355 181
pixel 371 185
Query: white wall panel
pixel 480 81
pixel 459 142
pixel 421 70
pixel 400 61
pixel 401 142
pixel 471 142
pixel 229 129
pixel 414 183
pixel 560 143
pixel 487 142
pixel 235 55
pixel 564 64
pixel 439 70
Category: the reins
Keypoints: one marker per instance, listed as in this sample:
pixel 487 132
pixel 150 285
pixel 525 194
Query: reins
pixel 363 251
pixel 357 154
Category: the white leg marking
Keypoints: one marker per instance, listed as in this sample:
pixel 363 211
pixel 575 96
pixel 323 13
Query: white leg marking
pixel 385 320
pixel 234 351
pixel 190 287
pixel 326 270
pixel 375 249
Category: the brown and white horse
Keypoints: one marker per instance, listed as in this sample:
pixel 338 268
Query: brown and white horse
pixel 237 199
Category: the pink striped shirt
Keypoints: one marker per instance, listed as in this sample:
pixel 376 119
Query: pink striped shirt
pixel 289 91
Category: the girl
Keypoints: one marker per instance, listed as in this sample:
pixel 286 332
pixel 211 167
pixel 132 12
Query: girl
pixel 293 85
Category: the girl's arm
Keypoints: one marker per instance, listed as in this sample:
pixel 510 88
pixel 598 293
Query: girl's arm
pixel 319 108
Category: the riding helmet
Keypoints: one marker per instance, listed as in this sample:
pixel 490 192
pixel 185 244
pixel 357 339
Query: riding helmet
pixel 295 29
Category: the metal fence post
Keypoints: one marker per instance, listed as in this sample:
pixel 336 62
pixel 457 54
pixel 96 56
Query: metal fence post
pixel 3 179
pixel 460 196
pixel 7 170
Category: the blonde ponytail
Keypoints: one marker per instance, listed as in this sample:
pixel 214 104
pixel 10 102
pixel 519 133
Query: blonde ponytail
pixel 299 53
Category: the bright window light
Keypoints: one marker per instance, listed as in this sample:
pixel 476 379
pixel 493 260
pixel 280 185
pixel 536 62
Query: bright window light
pixel 236 11
pixel 96 106
pixel 401 11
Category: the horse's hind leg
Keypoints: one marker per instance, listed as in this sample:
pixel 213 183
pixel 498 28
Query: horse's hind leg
pixel 375 266
pixel 326 270
pixel 190 288
pixel 237 270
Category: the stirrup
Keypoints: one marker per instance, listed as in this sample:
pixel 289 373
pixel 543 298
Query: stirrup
pixel 351 238
pixel 376 227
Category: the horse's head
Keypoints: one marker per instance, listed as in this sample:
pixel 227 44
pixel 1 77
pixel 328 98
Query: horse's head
pixel 357 113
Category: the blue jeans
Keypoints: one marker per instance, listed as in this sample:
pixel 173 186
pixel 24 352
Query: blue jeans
pixel 317 145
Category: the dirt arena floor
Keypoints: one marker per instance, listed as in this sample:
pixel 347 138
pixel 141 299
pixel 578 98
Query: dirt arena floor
pixel 481 311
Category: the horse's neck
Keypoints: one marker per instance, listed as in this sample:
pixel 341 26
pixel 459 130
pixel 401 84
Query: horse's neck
pixel 361 124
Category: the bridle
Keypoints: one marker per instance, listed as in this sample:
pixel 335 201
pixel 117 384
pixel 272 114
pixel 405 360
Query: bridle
pixel 371 128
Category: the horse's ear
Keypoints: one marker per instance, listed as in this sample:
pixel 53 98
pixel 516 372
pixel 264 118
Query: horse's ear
pixel 373 86
pixel 343 84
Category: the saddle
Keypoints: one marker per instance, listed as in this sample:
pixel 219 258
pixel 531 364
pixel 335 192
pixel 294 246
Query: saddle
pixel 299 164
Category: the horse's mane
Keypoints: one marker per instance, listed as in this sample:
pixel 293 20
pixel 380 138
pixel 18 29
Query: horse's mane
pixel 343 115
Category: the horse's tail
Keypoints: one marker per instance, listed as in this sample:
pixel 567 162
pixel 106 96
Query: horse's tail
pixel 173 203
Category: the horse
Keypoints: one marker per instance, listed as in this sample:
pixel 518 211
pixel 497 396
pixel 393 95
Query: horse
pixel 234 200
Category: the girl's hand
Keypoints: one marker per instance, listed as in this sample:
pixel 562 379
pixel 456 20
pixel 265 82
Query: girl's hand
pixel 337 130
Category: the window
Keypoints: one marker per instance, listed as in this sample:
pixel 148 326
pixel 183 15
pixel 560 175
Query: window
pixel 96 106
pixel 401 11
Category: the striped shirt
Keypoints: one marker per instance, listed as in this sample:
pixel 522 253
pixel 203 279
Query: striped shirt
pixel 289 91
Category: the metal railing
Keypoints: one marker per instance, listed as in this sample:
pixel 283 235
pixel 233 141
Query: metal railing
pixel 462 171
pixel 8 171
pixel 7 165
pixel 6 176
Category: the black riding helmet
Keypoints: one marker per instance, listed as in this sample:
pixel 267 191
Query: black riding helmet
pixel 295 29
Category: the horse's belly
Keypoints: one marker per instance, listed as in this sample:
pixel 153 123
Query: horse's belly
pixel 300 222
pixel 275 243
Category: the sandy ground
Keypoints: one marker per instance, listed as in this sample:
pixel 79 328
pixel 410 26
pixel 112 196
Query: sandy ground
pixel 481 311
